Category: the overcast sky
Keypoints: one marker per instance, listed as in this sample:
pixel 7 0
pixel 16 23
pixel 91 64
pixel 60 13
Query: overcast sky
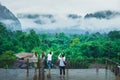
pixel 60 6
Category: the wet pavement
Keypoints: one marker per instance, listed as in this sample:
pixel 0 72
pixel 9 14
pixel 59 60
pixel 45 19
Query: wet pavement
pixel 71 74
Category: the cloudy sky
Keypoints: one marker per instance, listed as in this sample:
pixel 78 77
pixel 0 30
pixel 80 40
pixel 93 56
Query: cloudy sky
pixel 60 6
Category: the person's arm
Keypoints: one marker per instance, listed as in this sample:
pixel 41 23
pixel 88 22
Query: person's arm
pixel 52 52
pixel 59 56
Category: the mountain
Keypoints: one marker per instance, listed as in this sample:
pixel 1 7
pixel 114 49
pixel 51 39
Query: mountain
pixel 9 19
pixel 103 14
pixel 74 16
pixel 38 19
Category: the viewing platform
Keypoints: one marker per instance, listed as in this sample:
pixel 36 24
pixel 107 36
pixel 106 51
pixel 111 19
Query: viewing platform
pixel 110 70
pixel 71 74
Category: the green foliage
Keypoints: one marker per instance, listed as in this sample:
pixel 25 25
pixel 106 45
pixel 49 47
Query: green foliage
pixel 7 58
pixel 114 35
pixel 37 49
pixel 75 47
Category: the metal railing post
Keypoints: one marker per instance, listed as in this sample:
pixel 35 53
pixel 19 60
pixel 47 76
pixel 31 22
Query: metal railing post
pixel 106 64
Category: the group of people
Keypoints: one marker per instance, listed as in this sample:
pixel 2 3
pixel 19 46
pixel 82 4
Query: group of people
pixel 61 60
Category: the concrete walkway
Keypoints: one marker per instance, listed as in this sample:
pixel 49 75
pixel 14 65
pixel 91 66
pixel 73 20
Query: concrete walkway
pixel 73 74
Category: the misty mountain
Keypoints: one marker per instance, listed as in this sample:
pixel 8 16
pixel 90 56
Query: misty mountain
pixel 105 21
pixel 8 19
pixel 33 16
pixel 103 14
pixel 74 16
pixel 48 21
pixel 38 18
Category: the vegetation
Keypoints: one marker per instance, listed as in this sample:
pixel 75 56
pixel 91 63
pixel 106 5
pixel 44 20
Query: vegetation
pixel 75 47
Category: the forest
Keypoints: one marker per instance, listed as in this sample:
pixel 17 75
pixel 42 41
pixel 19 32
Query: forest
pixel 74 46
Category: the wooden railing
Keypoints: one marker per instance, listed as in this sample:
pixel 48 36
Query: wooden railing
pixel 107 64
pixel 113 66
pixel 78 64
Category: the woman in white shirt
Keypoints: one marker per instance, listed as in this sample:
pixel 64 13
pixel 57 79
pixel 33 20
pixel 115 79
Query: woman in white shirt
pixel 49 59
pixel 61 59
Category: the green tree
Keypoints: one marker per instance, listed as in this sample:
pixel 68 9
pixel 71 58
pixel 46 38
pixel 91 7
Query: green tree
pixel 7 58
pixel 114 35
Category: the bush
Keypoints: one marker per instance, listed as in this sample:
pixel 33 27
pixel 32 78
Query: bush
pixel 7 59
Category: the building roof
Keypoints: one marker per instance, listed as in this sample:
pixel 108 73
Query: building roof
pixel 24 55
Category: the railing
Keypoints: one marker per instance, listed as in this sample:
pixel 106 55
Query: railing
pixel 77 64
pixel 39 65
pixel 113 66
pixel 80 64
pixel 106 63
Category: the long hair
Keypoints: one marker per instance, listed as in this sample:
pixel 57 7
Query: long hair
pixel 43 54
pixel 36 54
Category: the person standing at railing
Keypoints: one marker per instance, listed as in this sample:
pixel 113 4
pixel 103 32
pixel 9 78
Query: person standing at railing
pixel 62 63
pixel 49 59
pixel 49 63
pixel 35 59
pixel 43 56
pixel 42 65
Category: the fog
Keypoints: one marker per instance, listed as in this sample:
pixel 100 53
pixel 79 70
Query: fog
pixel 60 8
pixel 62 22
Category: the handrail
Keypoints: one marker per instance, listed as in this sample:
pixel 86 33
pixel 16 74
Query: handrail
pixel 115 67
pixel 112 61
